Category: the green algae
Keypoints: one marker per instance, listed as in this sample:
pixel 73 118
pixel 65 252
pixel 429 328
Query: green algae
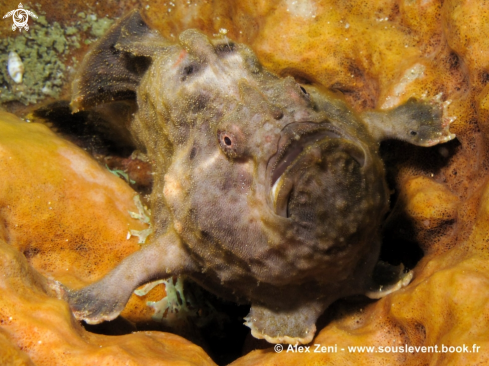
pixel 184 301
pixel 45 49
pixel 121 174
pixel 174 301
pixel 143 215
pixel 100 26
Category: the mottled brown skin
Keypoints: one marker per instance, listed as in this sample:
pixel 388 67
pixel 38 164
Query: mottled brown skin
pixel 265 191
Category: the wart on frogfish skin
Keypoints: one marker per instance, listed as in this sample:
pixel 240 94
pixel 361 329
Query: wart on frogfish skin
pixel 304 232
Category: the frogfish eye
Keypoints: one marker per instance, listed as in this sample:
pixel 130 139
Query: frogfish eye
pixel 413 133
pixel 229 143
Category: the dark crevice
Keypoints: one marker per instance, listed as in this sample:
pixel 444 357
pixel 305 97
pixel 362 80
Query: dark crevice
pixel 399 244
pixel 87 129
pixel 214 324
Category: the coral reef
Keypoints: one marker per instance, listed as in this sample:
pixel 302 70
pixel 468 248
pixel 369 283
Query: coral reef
pixel 378 54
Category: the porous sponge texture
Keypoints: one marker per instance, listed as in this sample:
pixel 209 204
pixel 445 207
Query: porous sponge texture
pixel 67 214
pixel 77 210
pixel 39 329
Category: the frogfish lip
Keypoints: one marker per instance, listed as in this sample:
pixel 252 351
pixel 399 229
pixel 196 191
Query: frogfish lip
pixel 297 140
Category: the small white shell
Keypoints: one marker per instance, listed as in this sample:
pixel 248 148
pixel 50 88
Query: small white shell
pixel 15 67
